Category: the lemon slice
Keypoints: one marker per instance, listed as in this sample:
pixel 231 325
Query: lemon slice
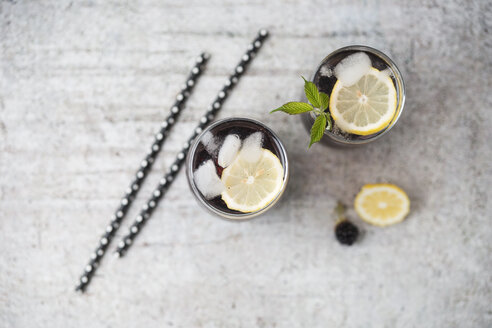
pixel 250 187
pixel 365 107
pixel 382 204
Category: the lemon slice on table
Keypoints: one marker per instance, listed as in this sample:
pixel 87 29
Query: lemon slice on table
pixel 382 204
pixel 250 187
pixel 365 107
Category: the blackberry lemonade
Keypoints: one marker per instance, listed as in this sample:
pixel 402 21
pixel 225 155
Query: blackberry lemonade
pixel 237 168
pixel 366 95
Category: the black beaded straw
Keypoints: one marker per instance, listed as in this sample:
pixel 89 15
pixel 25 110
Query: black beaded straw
pixel 168 178
pixel 141 174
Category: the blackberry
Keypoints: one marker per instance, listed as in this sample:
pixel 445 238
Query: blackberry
pixel 346 232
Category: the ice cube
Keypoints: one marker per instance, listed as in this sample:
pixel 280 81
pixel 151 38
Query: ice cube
pixel 228 150
pixel 210 143
pixel 251 150
pixel 352 68
pixel 207 180
pixel 325 71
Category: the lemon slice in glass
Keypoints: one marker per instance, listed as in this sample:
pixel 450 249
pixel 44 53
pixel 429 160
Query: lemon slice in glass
pixel 365 107
pixel 382 204
pixel 250 187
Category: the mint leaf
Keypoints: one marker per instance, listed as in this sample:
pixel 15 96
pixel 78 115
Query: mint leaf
pixel 324 101
pixel 318 129
pixel 293 108
pixel 312 93
pixel 340 210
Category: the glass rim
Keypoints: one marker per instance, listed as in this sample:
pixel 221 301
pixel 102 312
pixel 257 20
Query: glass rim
pixel 401 86
pixel 201 199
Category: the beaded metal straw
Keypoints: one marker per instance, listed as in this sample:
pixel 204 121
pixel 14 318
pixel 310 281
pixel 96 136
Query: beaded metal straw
pixel 168 178
pixel 141 174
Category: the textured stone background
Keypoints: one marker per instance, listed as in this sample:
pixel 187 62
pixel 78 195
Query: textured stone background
pixel 83 85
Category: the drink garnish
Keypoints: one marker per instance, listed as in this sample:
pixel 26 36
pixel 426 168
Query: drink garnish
pixel 318 103
pixel 251 185
pixel 366 106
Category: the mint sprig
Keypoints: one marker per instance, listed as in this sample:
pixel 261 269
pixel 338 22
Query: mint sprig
pixel 318 104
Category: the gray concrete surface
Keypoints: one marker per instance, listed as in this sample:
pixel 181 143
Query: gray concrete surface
pixel 83 85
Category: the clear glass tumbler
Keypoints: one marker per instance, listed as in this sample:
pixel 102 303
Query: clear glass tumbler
pixel 200 153
pixel 325 80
